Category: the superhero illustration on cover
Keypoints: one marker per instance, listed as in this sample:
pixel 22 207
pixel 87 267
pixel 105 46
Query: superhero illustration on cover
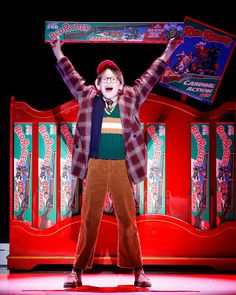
pixel 46 183
pixel 203 59
pixel 197 67
pixel 22 186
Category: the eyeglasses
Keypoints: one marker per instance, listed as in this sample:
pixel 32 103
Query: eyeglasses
pixel 106 79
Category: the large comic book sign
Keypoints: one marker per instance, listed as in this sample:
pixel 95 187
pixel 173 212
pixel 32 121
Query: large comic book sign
pixel 113 32
pixel 200 193
pixel 225 172
pixel 156 140
pixel 22 172
pixel 47 174
pixel 197 66
pixel 69 190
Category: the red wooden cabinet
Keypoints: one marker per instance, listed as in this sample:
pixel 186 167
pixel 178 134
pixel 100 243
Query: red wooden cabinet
pixel 168 238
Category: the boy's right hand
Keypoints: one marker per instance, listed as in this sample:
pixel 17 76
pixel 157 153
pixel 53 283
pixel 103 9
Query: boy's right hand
pixel 56 42
pixel 56 48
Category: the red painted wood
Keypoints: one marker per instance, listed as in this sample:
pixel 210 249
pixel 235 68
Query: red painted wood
pixel 165 239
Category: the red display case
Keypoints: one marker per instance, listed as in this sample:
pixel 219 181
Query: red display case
pixel 166 239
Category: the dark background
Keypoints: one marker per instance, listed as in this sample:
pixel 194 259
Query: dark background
pixel 27 62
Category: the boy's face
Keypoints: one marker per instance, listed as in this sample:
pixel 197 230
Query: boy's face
pixel 109 84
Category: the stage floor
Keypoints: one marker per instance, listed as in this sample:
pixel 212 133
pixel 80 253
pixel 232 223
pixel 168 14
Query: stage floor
pixel 112 282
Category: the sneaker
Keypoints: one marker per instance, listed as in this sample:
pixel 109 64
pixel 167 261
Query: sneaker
pixel 73 280
pixel 141 280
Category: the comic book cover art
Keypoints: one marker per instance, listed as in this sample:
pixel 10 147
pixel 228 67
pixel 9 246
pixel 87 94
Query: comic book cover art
pixel 156 168
pixel 200 195
pixel 47 174
pixel 197 66
pixel 22 172
pixel 225 172
pixel 70 185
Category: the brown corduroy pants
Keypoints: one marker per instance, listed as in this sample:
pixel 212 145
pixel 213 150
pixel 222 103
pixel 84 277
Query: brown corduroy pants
pixel 112 175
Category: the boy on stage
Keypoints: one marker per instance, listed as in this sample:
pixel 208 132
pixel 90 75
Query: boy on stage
pixel 109 151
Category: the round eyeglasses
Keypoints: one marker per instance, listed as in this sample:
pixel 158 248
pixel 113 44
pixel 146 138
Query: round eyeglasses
pixel 106 79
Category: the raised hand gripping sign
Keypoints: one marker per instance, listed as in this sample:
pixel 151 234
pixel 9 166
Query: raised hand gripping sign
pixel 113 32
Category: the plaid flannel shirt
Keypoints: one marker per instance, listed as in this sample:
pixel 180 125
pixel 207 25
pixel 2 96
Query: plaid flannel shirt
pixel 129 102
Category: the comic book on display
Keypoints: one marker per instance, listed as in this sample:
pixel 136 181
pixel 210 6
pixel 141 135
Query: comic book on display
pixel 113 32
pixel 22 172
pixel 47 133
pixel 200 191
pixel 197 66
pixel 225 172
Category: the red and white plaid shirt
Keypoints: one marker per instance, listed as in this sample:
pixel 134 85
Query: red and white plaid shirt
pixel 129 102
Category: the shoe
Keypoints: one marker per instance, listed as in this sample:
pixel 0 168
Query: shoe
pixel 73 280
pixel 140 279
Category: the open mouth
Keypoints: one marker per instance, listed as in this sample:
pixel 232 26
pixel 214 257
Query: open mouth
pixel 108 88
